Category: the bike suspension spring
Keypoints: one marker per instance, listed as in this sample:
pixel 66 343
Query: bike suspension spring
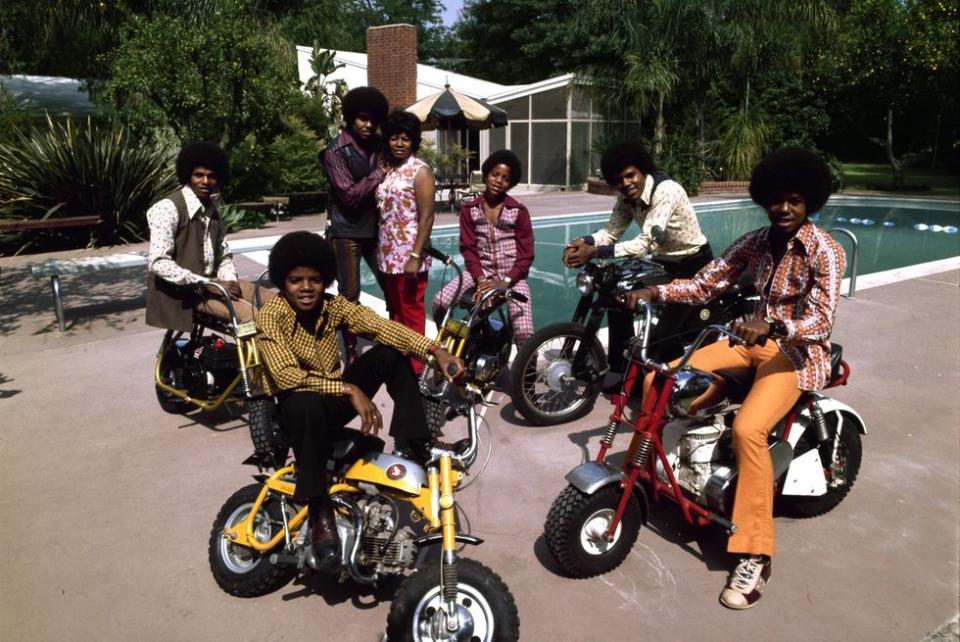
pixel 449 581
pixel 609 433
pixel 819 424
pixel 643 451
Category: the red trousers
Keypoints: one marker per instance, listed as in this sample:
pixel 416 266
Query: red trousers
pixel 405 302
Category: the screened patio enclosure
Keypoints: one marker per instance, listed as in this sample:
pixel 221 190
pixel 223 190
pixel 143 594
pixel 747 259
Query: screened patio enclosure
pixel 558 130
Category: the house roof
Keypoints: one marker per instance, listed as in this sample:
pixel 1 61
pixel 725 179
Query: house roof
pixel 430 80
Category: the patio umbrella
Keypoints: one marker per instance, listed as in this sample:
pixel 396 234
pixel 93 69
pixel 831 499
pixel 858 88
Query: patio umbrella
pixel 452 110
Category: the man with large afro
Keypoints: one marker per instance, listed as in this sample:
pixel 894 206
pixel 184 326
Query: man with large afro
pixel 797 269
pixel 298 342
pixel 188 247
pixel 354 170
pixel 668 228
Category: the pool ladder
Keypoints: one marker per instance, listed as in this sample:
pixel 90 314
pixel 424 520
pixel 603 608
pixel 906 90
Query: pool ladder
pixel 854 262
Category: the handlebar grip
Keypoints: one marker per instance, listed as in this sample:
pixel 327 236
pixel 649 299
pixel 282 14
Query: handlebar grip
pixel 516 296
pixel 437 254
pixel 762 341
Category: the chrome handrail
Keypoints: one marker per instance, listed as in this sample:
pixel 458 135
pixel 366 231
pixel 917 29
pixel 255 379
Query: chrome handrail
pixel 854 262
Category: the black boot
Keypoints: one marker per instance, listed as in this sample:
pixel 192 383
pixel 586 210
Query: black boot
pixel 323 533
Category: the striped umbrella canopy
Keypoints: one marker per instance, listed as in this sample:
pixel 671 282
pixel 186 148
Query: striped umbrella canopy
pixel 452 110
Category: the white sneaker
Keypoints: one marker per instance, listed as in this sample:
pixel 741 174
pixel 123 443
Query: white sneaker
pixel 746 583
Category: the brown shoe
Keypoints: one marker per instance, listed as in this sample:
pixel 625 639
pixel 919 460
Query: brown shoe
pixel 324 538
pixel 746 583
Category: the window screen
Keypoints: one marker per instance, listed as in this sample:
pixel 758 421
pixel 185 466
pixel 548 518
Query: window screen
pixel 550 104
pixel 549 154
pixel 517 109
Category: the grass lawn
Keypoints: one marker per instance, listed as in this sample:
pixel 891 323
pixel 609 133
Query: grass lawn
pixel 871 177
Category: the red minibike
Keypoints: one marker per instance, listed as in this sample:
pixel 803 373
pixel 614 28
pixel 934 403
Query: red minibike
pixel 685 455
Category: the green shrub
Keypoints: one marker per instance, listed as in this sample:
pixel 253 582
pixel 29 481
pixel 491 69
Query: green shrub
pixel 91 170
pixel 239 218
pixel 681 161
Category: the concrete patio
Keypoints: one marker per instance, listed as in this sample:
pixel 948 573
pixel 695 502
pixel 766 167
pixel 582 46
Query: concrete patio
pixel 107 501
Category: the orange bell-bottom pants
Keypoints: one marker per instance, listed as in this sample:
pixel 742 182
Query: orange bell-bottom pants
pixel 773 393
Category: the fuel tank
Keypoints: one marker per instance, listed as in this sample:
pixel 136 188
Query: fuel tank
pixel 381 469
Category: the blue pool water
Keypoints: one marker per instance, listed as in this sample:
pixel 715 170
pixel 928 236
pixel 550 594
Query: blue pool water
pixel 892 233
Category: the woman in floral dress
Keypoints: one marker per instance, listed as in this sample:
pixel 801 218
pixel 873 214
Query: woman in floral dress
pixel 496 241
pixel 406 199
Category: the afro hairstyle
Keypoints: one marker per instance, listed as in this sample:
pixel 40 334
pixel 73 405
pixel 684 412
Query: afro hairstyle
pixel 367 100
pixel 301 249
pixel 502 157
pixel 202 154
pixel 622 154
pixel 789 170
pixel 403 122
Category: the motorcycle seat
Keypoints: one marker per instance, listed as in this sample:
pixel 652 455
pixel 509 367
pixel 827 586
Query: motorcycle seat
pixel 347 444
pixel 739 380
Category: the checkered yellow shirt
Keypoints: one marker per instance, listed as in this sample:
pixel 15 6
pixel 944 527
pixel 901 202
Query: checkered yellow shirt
pixel 297 358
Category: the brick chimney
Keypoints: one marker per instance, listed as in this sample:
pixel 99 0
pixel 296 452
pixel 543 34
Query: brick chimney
pixel 392 63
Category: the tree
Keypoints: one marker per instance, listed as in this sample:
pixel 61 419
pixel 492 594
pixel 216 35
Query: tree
pixel 893 58
pixel 520 41
pixel 342 24
pixel 219 75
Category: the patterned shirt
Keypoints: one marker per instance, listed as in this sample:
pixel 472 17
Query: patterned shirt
pixel 350 191
pixel 670 209
pixel 802 291
pixel 399 217
pixel 499 250
pixel 300 358
pixel 163 218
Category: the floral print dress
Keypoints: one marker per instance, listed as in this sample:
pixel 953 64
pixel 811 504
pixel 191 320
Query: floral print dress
pixel 398 218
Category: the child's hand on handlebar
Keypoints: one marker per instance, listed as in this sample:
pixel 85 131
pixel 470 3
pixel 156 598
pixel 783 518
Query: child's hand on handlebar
pixel 449 365
pixel 634 296
pixel 752 332
pixel 232 288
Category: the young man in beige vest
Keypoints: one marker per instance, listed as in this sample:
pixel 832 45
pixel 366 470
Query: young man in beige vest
pixel 188 247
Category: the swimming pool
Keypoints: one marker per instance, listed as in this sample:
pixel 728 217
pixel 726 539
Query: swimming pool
pixel 892 233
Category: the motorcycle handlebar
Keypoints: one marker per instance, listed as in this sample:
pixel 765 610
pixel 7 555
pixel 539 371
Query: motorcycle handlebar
pixel 227 299
pixel 516 296
pixel 437 254
pixel 665 368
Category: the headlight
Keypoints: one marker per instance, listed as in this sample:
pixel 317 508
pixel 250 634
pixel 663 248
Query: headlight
pixel 584 283
pixel 689 386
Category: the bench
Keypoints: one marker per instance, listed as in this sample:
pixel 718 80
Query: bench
pixel 54 269
pixel 48 223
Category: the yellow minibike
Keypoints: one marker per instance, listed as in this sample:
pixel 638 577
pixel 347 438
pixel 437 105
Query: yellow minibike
pixel 216 364
pixel 393 516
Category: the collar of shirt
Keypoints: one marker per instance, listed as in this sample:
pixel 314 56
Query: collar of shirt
pixel 804 236
pixel 347 137
pixel 193 203
pixel 647 193
pixel 509 202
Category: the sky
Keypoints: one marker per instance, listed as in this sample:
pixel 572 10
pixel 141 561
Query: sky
pixel 450 13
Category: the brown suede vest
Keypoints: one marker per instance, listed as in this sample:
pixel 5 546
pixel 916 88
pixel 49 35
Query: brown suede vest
pixel 171 306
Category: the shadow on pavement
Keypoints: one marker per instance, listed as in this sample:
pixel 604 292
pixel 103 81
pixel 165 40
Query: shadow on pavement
pixel 360 596
pixel 87 299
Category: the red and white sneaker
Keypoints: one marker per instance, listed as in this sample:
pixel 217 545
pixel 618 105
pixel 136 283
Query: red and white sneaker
pixel 746 583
